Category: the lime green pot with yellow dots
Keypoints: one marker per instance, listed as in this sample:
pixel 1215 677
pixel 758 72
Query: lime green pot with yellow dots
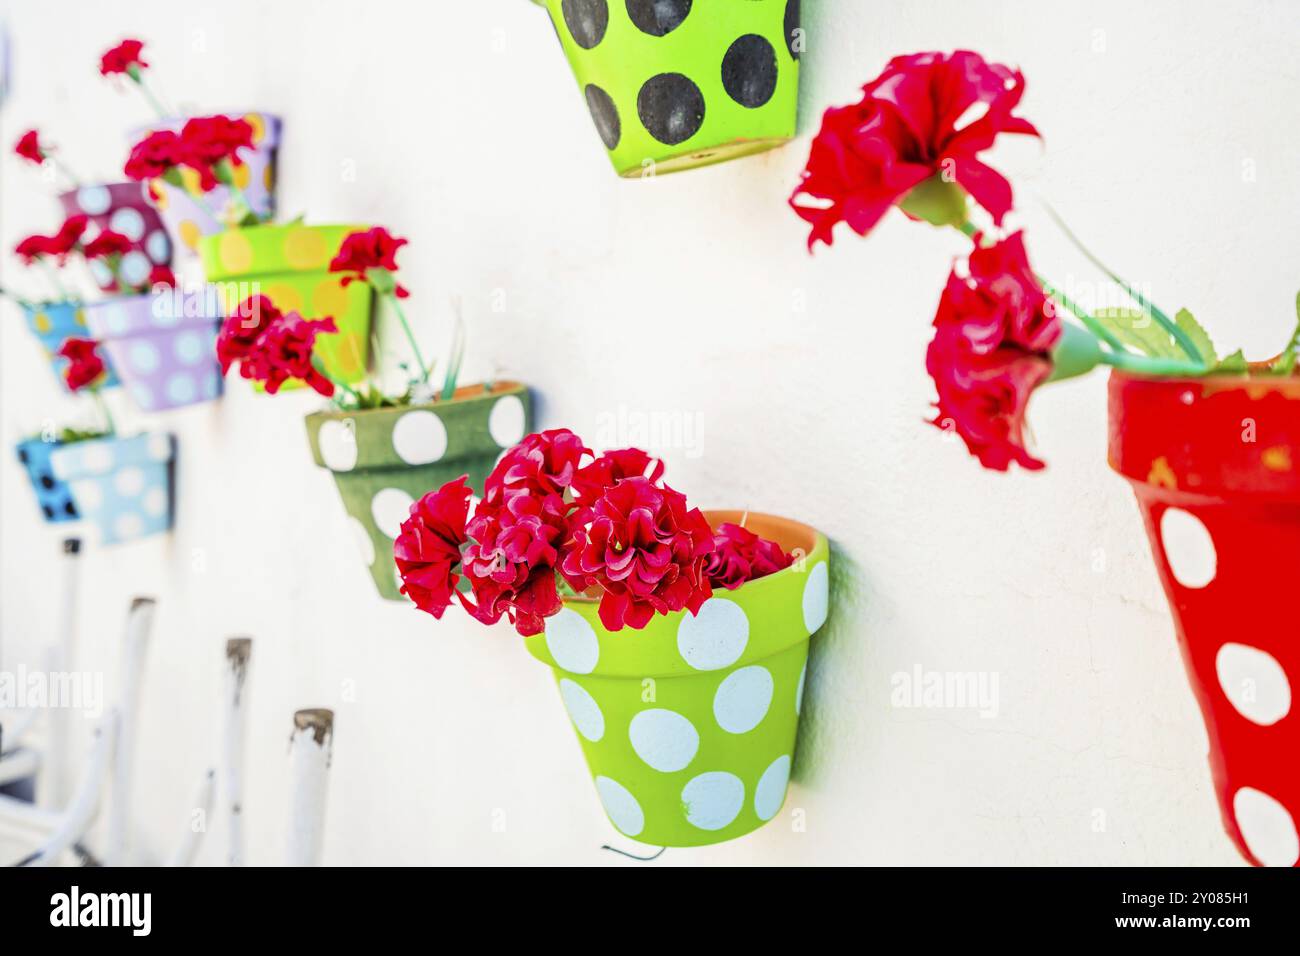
pixel 675 84
pixel 384 459
pixel 290 265
pixel 689 725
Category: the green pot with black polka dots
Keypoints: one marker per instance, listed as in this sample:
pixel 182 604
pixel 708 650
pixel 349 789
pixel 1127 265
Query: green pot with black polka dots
pixel 675 84
pixel 290 266
pixel 689 725
pixel 385 459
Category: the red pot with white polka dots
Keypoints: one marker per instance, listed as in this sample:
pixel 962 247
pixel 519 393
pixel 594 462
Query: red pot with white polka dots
pixel 1214 464
pixel 124 208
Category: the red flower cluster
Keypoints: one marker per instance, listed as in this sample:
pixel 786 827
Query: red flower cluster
pixel 29 147
pixel 84 364
pixel 739 555
pixel 107 244
pixel 203 144
pixel 608 527
pixel 123 58
pixel 271 346
pixel 994 333
pixel 870 155
pixel 370 256
pixel 58 246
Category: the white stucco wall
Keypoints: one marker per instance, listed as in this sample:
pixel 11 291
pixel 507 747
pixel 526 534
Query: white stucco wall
pixel 1169 144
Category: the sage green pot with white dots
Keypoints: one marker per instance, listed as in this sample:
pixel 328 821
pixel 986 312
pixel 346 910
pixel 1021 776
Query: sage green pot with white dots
pixel 385 459
pixel 689 725
pixel 675 84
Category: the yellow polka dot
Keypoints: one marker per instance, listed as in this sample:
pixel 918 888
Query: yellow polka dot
pixel 158 193
pixel 304 248
pixel 1162 475
pixel 285 297
pixel 1277 458
pixel 235 252
pixel 329 298
pixel 80 318
pixel 240 175
pixel 259 127
pixel 190 234
pixel 41 321
pixel 190 181
pixel 268 177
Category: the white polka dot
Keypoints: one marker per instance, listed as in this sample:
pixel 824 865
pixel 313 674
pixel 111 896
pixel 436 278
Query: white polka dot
pixel 144 357
pixel 714 638
pixel 160 447
pixel 142 394
pixel 419 437
pixel 816 597
pixel 1254 682
pixel 364 544
pixel 507 420
pixel 210 384
pixel 129 482
pixel 128 525
pixel 135 267
pixel 102 274
pixel 338 444
pixel 390 507
pixel 572 642
pixel 189 348
pixel 1267 827
pixel 620 806
pixel 94 199
pixel 664 739
pixel 742 699
pixel 798 694
pixel 88 494
pixel 713 799
pixel 97 458
pixel 115 319
pixel 128 222
pixel 583 709
pixel 155 502
pixel 770 792
pixel 181 388
pixel 158 246
pixel 1188 547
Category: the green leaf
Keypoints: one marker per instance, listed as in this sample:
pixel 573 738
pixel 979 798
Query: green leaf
pixel 1233 364
pixel 1139 331
pixel 1200 338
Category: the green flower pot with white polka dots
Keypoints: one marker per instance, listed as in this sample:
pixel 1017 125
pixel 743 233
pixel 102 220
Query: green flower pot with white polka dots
pixel 385 459
pixel 290 266
pixel 689 725
pixel 675 84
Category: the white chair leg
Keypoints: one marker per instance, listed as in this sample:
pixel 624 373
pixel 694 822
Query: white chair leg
pixel 139 622
pixel 239 652
pixel 309 761
pixel 189 846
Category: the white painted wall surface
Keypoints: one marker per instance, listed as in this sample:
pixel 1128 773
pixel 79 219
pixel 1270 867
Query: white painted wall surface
pixel 682 296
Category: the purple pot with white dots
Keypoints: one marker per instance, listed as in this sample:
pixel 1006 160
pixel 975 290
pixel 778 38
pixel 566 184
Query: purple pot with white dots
pixel 121 486
pixel 189 213
pixel 124 208
pixel 163 344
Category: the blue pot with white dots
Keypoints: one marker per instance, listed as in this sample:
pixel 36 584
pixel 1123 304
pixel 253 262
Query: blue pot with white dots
pixel 121 486
pixel 53 496
pixel 53 323
pixel 163 344
pixel 688 726
pixel 122 208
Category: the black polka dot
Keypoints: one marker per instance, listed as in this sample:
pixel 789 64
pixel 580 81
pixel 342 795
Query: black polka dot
pixel 671 108
pixel 792 27
pixel 658 17
pixel 605 115
pixel 22 455
pixel 49 512
pixel 47 482
pixel 586 20
pixel 69 509
pixel 749 71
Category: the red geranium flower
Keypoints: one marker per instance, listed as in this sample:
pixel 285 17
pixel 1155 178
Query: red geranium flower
pixel 870 155
pixel 543 465
pixel 206 141
pixel 612 467
pixel 242 328
pixel 156 154
pixel 370 256
pixel 161 275
pixel 1001 301
pixel 29 147
pixel 511 562
pixel 84 364
pixel 107 243
pixel 284 351
pixel 65 240
pixel 739 555
pixel 123 58
pixel 646 551
pixel 428 549
pixel 31 248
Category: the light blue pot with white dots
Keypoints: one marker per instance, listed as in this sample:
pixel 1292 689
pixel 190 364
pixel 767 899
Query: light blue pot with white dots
pixel 53 323
pixel 121 486
pixel 689 725
pixel 163 344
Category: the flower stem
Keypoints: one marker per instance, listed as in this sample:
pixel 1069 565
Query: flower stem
pixel 1095 327
pixel 161 110
pixel 410 337
pixel 1135 362
pixel 104 412
pixel 54 281
pixel 67 173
